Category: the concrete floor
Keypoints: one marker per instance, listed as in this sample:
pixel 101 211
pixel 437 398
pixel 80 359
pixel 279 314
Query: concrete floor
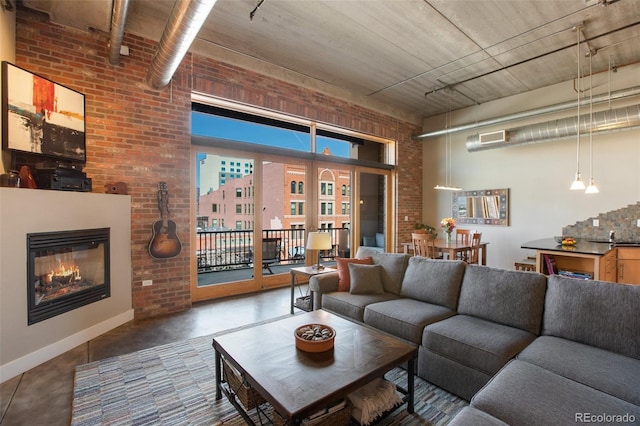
pixel 43 395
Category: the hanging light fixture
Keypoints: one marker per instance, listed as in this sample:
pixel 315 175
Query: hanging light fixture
pixel 592 188
pixel 447 152
pixel 578 184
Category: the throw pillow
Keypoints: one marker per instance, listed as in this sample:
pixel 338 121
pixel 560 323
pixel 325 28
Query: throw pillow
pixel 344 283
pixel 365 279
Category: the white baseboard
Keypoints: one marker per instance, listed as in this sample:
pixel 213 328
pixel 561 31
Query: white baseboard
pixel 29 361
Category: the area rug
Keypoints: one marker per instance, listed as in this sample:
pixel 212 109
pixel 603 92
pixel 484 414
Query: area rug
pixel 174 384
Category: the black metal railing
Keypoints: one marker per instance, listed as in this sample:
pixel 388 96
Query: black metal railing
pixel 225 250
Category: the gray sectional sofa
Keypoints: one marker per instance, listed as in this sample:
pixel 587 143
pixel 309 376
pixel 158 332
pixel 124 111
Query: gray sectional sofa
pixel 523 348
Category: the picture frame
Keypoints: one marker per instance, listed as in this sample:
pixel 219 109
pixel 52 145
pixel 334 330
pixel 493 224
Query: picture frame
pixel 42 117
pixel 481 207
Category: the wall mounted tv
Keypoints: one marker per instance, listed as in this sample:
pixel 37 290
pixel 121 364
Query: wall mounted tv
pixel 42 117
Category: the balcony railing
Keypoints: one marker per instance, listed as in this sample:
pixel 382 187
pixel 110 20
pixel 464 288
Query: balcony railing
pixel 225 250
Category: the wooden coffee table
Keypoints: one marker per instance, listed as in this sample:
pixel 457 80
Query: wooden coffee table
pixel 298 383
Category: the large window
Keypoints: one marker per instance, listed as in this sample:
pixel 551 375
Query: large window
pixel 289 178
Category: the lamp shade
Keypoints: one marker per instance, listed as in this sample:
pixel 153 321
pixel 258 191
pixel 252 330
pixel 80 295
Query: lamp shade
pixel 318 241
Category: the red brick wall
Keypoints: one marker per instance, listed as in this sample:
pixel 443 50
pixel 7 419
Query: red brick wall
pixel 141 136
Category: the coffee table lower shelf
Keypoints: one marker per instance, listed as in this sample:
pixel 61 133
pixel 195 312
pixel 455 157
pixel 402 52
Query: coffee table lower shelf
pixel 245 399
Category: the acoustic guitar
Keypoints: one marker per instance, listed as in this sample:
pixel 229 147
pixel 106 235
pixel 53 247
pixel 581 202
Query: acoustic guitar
pixel 164 243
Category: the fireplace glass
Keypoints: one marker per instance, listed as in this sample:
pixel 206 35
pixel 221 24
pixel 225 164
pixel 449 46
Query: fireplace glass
pixel 66 270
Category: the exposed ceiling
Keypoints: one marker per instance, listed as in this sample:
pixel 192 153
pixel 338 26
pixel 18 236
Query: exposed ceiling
pixel 422 57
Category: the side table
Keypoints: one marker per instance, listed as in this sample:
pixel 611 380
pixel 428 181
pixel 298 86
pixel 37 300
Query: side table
pixel 307 272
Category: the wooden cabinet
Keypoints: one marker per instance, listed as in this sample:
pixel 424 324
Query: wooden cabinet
pixel 628 265
pixel 608 267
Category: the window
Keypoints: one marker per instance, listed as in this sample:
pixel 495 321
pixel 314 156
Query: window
pixel 300 187
pixel 293 186
pixel 214 208
pixel 238 224
pixel 301 209
pixel 345 208
pixel 329 189
pixel 238 192
pixel 323 208
pixel 329 208
pixel 293 207
pixel 239 208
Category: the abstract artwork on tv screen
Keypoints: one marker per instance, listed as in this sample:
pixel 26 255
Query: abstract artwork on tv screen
pixel 42 117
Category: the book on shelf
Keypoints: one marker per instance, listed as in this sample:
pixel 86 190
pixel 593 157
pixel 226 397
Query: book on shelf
pixel 550 261
pixel 575 275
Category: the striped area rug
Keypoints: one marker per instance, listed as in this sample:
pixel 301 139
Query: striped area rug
pixel 174 384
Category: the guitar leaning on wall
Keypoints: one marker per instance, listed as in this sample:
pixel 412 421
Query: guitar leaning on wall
pixel 164 243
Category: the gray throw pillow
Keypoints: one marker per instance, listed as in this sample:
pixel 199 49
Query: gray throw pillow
pixel 365 279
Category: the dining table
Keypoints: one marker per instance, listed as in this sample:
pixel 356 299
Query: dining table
pixel 452 248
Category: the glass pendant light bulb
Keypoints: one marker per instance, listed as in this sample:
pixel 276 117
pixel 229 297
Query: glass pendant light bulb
pixel 577 184
pixel 592 188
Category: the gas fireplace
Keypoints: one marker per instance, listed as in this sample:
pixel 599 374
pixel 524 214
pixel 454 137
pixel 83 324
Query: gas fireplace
pixel 66 270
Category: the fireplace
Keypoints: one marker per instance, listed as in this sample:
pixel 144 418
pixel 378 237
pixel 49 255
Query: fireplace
pixel 66 270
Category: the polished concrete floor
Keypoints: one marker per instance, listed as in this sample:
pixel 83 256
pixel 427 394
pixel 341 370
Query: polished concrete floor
pixel 43 395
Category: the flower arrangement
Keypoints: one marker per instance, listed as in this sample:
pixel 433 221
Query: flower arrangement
pixel 448 224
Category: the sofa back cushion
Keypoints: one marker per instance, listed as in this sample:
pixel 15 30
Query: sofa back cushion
pixel 393 268
pixel 433 281
pixel 513 298
pixel 596 313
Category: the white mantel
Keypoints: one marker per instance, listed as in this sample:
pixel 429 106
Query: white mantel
pixel 24 211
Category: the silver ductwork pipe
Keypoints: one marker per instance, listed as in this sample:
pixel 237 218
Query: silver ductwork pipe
pixel 614 96
pixel 603 122
pixel 185 21
pixel 118 21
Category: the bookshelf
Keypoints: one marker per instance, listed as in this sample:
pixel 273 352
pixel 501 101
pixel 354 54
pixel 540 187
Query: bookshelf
pixel 580 263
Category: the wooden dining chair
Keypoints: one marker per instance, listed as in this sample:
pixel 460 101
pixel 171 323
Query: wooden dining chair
pixel 463 236
pixel 424 245
pixel 473 254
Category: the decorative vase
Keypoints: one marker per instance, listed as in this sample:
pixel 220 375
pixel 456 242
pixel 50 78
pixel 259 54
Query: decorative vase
pixel 448 236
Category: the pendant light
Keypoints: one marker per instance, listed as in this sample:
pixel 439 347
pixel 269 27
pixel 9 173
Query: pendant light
pixel 447 152
pixel 578 184
pixel 592 188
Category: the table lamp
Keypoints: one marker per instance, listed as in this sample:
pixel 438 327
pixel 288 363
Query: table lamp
pixel 318 241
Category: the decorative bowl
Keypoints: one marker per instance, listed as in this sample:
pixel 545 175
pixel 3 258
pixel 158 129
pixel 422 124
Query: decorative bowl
pixel 314 337
pixel 567 240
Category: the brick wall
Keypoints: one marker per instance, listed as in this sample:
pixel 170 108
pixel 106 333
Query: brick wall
pixel 141 136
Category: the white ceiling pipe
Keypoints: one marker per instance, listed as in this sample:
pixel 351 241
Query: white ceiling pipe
pixel 620 94
pixel 185 21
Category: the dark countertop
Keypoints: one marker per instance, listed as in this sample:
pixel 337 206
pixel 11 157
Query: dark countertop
pixel 583 247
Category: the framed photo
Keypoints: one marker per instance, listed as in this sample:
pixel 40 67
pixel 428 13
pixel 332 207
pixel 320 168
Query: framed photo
pixel 42 117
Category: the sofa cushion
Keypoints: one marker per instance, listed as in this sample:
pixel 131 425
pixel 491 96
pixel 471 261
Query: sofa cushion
pixel 379 239
pixel 365 279
pixel 596 313
pixel 472 416
pixel 352 305
pixel 405 318
pixel 513 298
pixel 342 263
pixel 609 372
pixel 394 266
pixel 525 394
pixel 474 342
pixel 433 281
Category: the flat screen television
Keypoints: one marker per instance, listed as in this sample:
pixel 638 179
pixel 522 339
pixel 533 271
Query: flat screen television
pixel 42 117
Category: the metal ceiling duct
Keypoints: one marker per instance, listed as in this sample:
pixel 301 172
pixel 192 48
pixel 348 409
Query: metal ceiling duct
pixel 118 21
pixel 617 95
pixel 604 121
pixel 185 21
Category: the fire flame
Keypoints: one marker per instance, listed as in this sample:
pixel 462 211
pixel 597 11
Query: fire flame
pixel 64 270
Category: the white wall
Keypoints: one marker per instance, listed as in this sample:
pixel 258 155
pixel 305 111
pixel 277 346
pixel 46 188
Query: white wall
pixel 538 175
pixel 25 211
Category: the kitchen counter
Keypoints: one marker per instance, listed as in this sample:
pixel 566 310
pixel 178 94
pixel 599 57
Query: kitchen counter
pixel 593 259
pixel 582 247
